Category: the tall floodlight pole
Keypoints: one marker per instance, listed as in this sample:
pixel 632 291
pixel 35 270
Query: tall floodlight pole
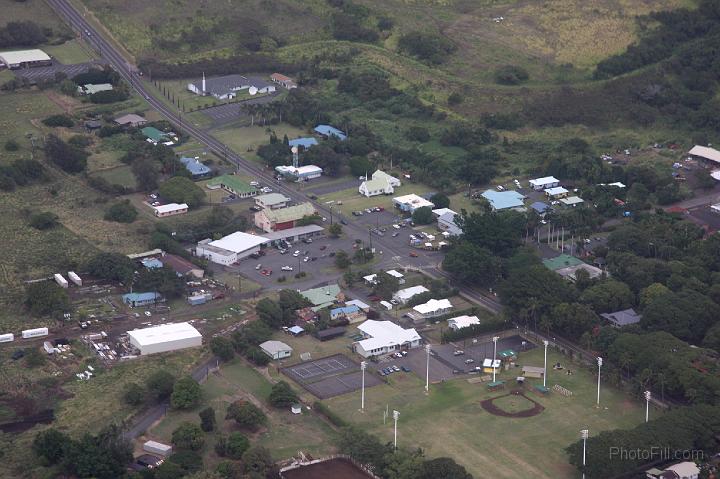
pixel 648 395
pixel 599 363
pixel 427 369
pixel 545 371
pixel 495 340
pixel 584 435
pixel 363 366
pixel 396 416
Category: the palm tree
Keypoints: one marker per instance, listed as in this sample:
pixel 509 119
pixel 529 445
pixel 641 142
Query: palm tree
pixel 249 109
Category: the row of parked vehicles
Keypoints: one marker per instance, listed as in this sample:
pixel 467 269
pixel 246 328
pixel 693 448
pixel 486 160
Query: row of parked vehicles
pixel 393 369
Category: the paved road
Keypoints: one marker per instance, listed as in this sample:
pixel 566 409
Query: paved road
pixel 127 71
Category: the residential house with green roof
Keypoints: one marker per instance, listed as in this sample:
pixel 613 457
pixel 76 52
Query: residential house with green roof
pixel 324 296
pixel 156 136
pixel 233 185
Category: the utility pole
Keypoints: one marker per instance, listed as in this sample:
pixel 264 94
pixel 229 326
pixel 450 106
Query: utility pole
pixel 545 343
pixel 427 369
pixel 599 363
pixel 396 416
pixel 495 340
pixel 584 435
pixel 648 395
pixel 363 366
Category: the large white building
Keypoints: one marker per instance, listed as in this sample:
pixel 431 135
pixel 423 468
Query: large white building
pixel 544 183
pixel 383 337
pixel 276 349
pixel 166 337
pixel 409 203
pixel 170 209
pixel 25 58
pixel 380 184
pixel 404 295
pixel 231 248
pixel 464 321
pixel 431 309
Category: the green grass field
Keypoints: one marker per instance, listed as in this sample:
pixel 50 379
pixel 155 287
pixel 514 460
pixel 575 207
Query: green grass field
pixel 245 140
pixel 69 52
pixel 21 114
pixel 451 422
pixel 285 432
pixel 120 175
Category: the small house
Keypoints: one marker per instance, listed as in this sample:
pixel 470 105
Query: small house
pixel 276 349
pixel 142 299
pixel 622 318
pixel 556 193
pixel 404 295
pixel 328 131
pixel 544 183
pixel 464 321
pixel 284 81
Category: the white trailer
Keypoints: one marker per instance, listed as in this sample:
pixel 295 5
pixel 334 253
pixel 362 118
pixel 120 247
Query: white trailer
pixel 7 338
pixel 75 278
pixel 157 448
pixel 34 333
pixel 59 279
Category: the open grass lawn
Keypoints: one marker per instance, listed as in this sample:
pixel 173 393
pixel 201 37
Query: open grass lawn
pixel 450 421
pixel 33 10
pixel 70 52
pixel 120 175
pixel 245 140
pixel 21 113
pixel 353 201
pixel 285 432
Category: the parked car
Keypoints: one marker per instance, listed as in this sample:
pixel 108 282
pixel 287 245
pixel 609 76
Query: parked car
pixel 258 266
pixel 396 369
pixel 469 361
pixel 296 254
pixel 405 369
pixel 413 254
pixel 343 222
pixel 459 352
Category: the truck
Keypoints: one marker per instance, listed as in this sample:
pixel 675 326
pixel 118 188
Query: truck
pixel 7 338
pixel 75 278
pixel 60 280
pixel 34 333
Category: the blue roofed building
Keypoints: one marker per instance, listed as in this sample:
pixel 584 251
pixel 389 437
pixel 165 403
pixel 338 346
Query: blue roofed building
pixel 328 131
pixel 142 299
pixel 194 166
pixel 306 142
pixel 152 263
pixel 351 312
pixel 540 207
pixel 505 200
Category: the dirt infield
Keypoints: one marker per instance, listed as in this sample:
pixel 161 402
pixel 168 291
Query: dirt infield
pixel 330 376
pixel 490 406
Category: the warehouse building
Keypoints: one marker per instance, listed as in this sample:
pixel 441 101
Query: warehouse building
pixel 270 220
pixel 166 337
pixel 230 249
pixel 25 59
pixel 293 235
pixel 276 349
pixel 233 185
pixel 301 173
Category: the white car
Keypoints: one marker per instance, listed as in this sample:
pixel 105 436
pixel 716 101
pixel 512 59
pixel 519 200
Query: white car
pixel 254 183
pixel 287 268
pixel 266 190
pixel 397 227
pixel 148 313
pixel 296 254
pixel 306 259
pixel 258 266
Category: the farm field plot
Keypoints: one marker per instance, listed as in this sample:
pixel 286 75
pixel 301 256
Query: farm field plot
pixel 21 114
pixel 493 446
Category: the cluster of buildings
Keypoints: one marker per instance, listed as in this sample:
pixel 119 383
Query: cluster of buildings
pixel 227 87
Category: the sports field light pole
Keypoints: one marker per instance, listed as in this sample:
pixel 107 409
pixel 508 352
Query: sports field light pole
pixel 396 416
pixel 599 363
pixel 363 366
pixel 427 369
pixel 495 340
pixel 648 395
pixel 584 435
pixel 545 372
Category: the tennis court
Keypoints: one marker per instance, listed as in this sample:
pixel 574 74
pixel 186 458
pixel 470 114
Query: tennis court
pixel 330 376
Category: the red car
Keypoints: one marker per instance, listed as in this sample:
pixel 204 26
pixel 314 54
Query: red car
pixel 413 254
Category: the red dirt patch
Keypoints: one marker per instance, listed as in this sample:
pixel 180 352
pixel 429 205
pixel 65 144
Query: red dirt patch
pixel 489 406
pixel 332 469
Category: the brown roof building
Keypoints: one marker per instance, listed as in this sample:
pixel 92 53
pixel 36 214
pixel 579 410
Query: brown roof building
pixel 182 266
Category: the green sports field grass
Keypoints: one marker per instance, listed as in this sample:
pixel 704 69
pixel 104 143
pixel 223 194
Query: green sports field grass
pixel 450 421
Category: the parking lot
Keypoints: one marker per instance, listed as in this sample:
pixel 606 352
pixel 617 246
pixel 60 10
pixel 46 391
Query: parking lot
pixel 233 111
pixel 47 73
pixel 477 352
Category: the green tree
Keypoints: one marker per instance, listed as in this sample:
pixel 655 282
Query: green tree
pixel 236 445
pixel 58 120
pixel 168 470
pixel 207 419
pixel 385 285
pixel 443 468
pixel 121 212
pixel 104 456
pixel 360 166
pixel 146 174
pixel 440 200
pixel 12 145
pixel 44 221
pixel 186 393
pixel 270 313
pixel 182 190
pixel 222 348
pixel 473 264
pixel 160 384
pixel 426 45
pixel 342 260
pixel 134 394
pixel 608 296
pixel 111 266
pixel 282 395
pixel 188 436
pixel 35 358
pixel 422 216
pixel 335 230
pixel 67 157
pixel 246 415
pixel 511 75
pixel 454 98
pixel 571 319
pixel 51 445
pixel 258 460
pixel 163 280
pixel 46 297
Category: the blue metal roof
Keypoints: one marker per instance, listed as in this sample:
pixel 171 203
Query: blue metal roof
pixel 501 200
pixel 135 297
pixel 152 263
pixel 306 142
pixel 540 207
pixel 344 310
pixel 328 130
pixel 194 166
pixel 296 329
